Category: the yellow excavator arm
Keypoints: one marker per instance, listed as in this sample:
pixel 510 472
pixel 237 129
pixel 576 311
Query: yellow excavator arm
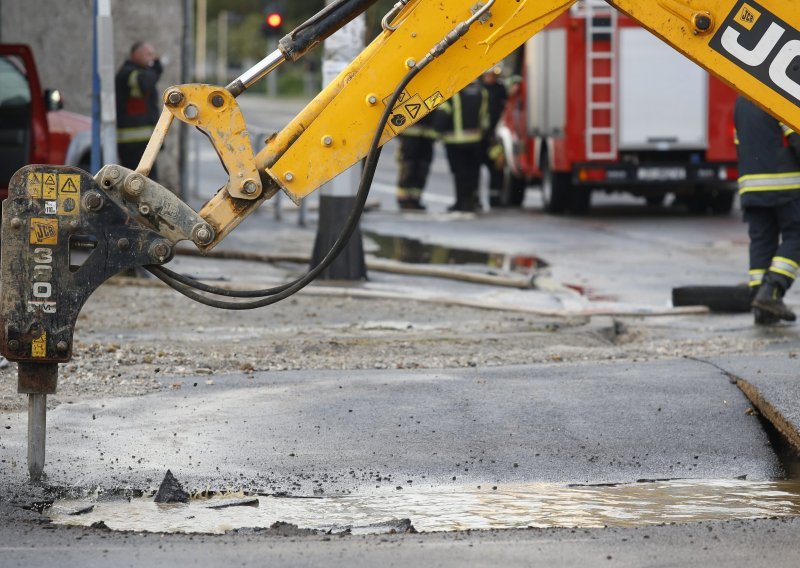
pixel 754 47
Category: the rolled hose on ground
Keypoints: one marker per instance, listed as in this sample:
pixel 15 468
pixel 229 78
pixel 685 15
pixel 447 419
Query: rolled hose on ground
pixel 720 299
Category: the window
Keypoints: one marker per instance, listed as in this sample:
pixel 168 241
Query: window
pixel 14 88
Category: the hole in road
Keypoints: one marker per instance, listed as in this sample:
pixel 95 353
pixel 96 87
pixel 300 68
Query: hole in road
pixel 507 507
pixel 416 252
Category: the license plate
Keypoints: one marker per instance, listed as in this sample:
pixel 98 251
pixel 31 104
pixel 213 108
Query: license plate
pixel 661 174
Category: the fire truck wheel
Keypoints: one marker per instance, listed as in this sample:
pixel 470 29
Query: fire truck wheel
pixel 721 202
pixel 556 188
pixel 697 203
pixel 580 200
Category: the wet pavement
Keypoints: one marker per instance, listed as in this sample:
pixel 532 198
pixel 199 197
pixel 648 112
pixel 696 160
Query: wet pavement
pixel 316 432
pixel 565 445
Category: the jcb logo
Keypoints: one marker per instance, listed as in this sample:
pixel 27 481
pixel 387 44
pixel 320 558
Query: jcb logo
pixel 763 45
pixel 748 16
pixel 44 231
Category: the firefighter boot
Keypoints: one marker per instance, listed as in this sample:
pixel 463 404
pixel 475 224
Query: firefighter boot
pixel 769 299
pixel 760 317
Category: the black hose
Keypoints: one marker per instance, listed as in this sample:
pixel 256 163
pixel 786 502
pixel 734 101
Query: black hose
pixel 282 292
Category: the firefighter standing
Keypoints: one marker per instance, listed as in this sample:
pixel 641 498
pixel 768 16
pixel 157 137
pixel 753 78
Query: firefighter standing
pixel 769 188
pixel 492 150
pixel 461 123
pixel 414 156
pixel 138 103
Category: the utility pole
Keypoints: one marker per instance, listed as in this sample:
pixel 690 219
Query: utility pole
pixel 104 110
pixel 222 47
pixel 338 196
pixel 200 42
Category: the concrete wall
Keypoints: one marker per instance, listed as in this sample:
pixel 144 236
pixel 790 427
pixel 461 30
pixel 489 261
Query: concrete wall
pixel 60 34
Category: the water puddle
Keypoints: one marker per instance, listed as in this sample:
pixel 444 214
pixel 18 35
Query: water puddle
pixel 416 252
pixel 509 507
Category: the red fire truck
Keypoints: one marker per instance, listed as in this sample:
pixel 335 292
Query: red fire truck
pixel 34 128
pixel 603 105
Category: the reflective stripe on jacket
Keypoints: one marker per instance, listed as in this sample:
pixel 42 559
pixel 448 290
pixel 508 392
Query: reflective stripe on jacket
pixel 465 118
pixel 769 166
pixel 138 101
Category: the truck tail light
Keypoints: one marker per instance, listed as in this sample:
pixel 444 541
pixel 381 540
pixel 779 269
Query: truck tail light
pixel 592 174
pixel 728 173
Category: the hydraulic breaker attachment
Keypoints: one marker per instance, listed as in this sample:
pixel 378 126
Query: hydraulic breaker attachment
pixel 62 236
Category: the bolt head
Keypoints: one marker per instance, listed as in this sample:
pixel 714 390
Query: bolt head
pixel 62 346
pixel 202 234
pixel 134 184
pixel 411 63
pixel 249 187
pixel 123 244
pixel 288 176
pixel 144 209
pixel 327 141
pixel 702 22
pixel 217 100
pixel 160 251
pixel 16 223
pixel 174 97
pixel 113 173
pixel 191 112
pixel 372 100
pixel 13 344
pixel 93 201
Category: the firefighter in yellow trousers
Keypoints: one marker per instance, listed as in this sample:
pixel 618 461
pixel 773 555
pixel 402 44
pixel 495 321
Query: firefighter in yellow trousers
pixel 414 156
pixel 462 123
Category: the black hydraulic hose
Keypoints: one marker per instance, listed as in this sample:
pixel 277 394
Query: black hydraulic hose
pixel 193 283
pixel 287 290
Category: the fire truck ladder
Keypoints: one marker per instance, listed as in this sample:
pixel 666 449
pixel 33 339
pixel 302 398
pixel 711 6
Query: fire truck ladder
pixel 601 80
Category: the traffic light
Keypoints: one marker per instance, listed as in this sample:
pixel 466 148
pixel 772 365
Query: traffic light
pixel 272 26
pixel 274 20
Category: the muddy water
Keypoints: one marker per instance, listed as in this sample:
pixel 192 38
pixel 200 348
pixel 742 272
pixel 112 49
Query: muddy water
pixel 539 505
pixel 416 252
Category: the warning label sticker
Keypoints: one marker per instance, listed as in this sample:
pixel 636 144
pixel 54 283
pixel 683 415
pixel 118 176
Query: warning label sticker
pixel 39 346
pixel 405 114
pixel 404 96
pixel 44 231
pixel 68 193
pixel 35 185
pixel 49 185
pixel 434 100
pixel 413 109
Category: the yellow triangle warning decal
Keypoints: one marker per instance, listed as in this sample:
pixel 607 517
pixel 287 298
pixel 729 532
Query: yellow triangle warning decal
pixel 413 110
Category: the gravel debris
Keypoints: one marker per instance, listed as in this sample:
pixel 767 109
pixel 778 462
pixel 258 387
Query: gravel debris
pixel 133 340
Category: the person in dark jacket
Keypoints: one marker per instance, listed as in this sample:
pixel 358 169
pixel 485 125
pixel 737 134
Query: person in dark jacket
pixel 769 189
pixel 462 122
pixel 138 103
pixel 492 150
pixel 414 156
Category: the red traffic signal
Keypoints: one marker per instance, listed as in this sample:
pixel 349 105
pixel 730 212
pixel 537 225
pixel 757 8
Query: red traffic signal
pixel 274 20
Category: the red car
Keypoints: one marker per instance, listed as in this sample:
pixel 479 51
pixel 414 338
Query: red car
pixel 33 127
